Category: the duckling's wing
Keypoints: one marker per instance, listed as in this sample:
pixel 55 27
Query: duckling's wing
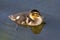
pixel 22 18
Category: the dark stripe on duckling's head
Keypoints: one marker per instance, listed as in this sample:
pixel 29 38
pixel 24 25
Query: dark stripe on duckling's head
pixel 35 11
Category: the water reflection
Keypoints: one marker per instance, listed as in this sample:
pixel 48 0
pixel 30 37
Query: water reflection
pixel 37 29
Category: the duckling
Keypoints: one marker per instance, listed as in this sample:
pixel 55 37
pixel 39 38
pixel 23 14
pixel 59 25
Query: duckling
pixel 36 17
pixel 32 18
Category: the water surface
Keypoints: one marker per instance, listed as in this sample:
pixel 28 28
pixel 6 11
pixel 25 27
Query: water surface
pixel 50 9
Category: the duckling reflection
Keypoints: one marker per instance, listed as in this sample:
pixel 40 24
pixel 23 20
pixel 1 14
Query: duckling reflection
pixel 32 18
pixel 38 29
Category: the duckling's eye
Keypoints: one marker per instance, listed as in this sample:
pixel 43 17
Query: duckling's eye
pixel 32 14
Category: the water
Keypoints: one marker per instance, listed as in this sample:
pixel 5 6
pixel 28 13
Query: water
pixel 50 9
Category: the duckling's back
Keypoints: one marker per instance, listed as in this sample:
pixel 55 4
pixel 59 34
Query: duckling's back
pixel 20 17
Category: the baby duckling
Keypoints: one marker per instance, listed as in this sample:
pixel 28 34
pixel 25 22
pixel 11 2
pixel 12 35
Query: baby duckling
pixel 32 18
pixel 36 18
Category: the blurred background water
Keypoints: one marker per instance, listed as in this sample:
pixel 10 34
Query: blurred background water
pixel 50 9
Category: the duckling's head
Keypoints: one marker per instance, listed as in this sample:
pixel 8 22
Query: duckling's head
pixel 34 14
